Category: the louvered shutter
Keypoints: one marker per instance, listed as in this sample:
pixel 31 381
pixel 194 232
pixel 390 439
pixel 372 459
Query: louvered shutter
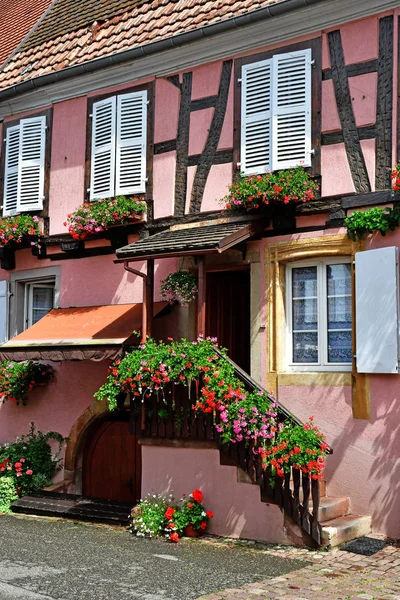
pixel 3 311
pixel 11 171
pixel 131 143
pixel 291 110
pixel 255 151
pixel 102 177
pixel 31 164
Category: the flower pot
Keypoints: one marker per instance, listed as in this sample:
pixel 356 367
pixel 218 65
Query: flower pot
pixel 190 531
pixel 18 489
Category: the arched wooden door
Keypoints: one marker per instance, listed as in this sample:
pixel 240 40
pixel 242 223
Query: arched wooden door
pixel 113 465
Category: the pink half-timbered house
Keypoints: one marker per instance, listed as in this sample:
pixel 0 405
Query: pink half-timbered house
pixel 170 100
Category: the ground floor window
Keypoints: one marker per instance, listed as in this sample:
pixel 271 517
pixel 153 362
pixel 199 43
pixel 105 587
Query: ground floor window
pixel 39 300
pixel 319 314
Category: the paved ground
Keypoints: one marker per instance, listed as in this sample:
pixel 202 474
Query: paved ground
pixel 44 559
pixel 335 575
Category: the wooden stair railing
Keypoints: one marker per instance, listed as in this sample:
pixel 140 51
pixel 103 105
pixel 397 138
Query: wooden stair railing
pixel 169 414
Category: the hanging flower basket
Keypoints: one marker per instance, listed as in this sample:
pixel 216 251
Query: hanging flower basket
pixel 18 379
pixel 179 287
pixel 99 216
pixel 251 193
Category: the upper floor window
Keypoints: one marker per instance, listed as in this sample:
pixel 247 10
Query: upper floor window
pixel 319 315
pixel 24 166
pixel 276 113
pixel 118 155
pixel 39 300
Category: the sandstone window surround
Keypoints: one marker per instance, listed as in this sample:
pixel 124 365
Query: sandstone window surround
pixel 277 257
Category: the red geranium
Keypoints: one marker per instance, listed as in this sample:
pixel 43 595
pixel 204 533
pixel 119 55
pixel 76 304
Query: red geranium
pixel 210 514
pixel 174 537
pixel 169 513
pixel 197 496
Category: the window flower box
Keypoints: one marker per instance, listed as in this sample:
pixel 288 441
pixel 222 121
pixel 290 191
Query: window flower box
pixel 276 194
pixel 93 218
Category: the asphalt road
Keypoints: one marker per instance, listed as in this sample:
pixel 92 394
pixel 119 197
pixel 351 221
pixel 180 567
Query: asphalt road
pixel 43 559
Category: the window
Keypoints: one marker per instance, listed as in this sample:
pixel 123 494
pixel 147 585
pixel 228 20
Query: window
pixel 118 155
pixel 276 113
pixel 39 300
pixel 319 315
pixel 24 169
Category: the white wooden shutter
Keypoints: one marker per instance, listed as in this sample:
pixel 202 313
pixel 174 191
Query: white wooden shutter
pixel 11 171
pixel 102 177
pixel 3 311
pixel 255 148
pixel 131 143
pixel 32 145
pixel 291 110
pixel 377 311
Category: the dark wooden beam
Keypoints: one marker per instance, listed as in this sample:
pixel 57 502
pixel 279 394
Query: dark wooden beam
pixel 207 157
pixel 150 296
pixel 369 66
pixel 366 132
pixel 201 297
pixel 384 105
pixel 182 145
pixel 221 157
pixel 351 139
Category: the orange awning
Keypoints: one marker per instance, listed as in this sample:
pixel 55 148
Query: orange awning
pixel 94 332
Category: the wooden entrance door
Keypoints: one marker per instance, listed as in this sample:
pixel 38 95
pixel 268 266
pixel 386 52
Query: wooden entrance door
pixel 228 313
pixel 112 465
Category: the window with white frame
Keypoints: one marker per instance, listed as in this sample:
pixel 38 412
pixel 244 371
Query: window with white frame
pixel 319 315
pixel 39 300
pixel 24 166
pixel 118 156
pixel 276 113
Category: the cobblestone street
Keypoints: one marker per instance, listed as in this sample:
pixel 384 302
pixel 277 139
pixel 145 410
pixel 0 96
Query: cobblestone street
pixel 334 575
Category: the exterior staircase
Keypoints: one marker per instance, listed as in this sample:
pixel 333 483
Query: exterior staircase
pixel 338 524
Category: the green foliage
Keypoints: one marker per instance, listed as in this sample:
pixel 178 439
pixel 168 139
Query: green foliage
pixel 8 493
pixel 288 186
pixel 29 461
pixel 14 229
pixel 95 217
pixel 179 287
pixel 148 517
pixel 361 223
pixel 18 379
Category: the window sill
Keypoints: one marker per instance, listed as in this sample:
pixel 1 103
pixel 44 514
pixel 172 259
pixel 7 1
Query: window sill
pixel 317 378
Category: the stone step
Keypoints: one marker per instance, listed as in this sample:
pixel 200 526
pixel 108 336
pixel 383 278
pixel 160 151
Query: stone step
pixel 332 508
pixel 68 506
pixel 343 529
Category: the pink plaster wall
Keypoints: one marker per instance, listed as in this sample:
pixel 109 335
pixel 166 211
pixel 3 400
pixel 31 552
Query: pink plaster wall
pixel 58 405
pixel 238 510
pixel 164 184
pixel 67 176
pixel 166 111
pixel 336 176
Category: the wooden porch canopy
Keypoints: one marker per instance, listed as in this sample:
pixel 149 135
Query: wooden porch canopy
pixel 189 239
pixel 87 333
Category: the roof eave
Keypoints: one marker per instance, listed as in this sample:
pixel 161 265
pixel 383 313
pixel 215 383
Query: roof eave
pixel 260 14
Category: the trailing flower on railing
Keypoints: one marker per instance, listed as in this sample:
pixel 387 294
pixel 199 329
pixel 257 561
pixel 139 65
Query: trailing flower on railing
pixel 242 415
pixel 13 230
pixel 298 446
pixel 288 187
pixel 96 217
pixel 360 223
pixel 179 287
pixel 18 379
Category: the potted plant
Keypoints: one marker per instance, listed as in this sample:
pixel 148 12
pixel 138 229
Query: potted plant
pixel 101 215
pixel 179 287
pixel 15 231
pixel 191 518
pixel 18 379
